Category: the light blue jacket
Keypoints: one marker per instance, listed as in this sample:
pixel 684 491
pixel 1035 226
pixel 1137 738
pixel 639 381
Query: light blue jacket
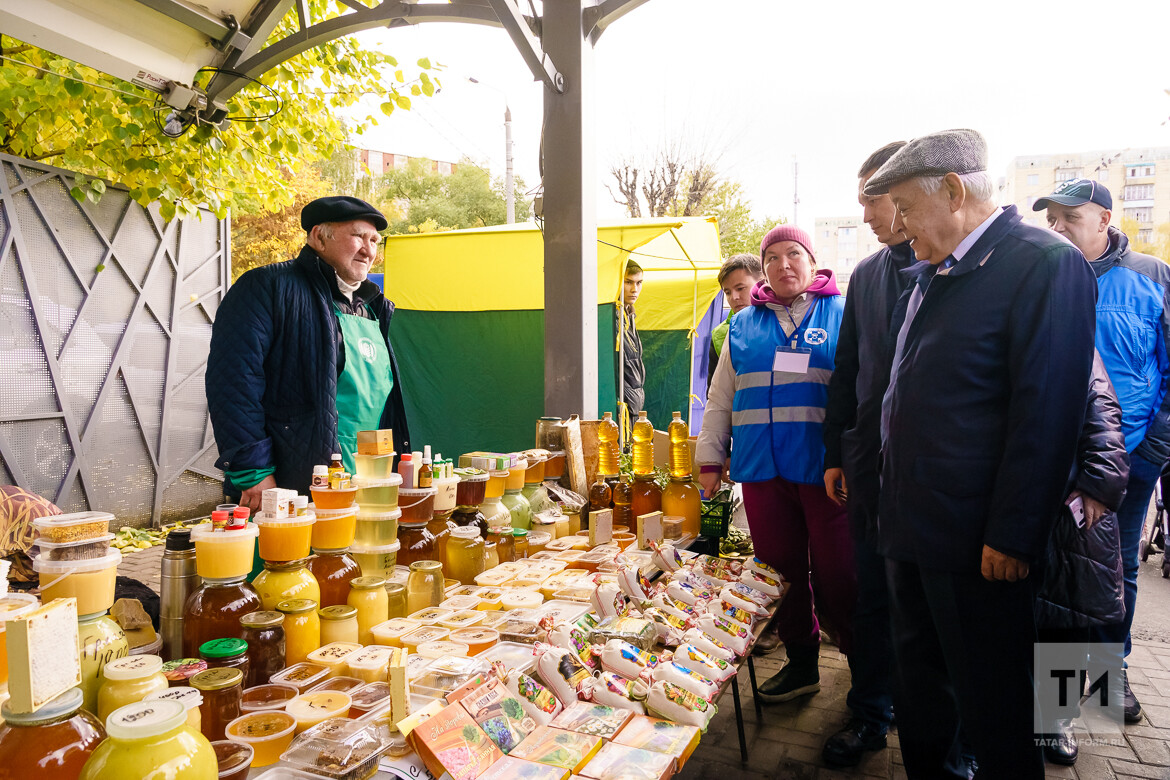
pixel 1133 331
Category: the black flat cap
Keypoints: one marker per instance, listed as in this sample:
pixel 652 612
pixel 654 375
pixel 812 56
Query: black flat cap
pixel 340 208
pixel 937 154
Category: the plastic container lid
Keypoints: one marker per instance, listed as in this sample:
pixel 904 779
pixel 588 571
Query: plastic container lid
pixel 329 514
pixel 74 518
pixel 471 475
pixel 45 544
pixel 270 696
pixel 132 667
pixel 296 521
pixel 62 706
pixel 378 549
pixel 189 697
pixel 146 719
pixel 232 756
pixel 205 533
pixel 13 605
pixel 228 647
pixel 371 482
pixel 376 517
pixel 422 492
pixel 108 561
pixel 465 532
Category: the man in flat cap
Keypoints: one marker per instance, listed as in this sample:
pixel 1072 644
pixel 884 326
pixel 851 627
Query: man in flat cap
pixel 301 359
pixel 979 430
pixel 1133 318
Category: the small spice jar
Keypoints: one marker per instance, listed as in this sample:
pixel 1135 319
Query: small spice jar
pixel 339 623
pixel 264 634
pixel 221 689
pixel 226 653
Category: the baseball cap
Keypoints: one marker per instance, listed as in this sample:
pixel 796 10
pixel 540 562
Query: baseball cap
pixel 1076 192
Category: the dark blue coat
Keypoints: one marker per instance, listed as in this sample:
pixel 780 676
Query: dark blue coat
pixel 272 371
pixel 989 403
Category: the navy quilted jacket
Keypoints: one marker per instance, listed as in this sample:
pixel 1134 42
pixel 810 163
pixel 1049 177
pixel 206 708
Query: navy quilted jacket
pixel 272 372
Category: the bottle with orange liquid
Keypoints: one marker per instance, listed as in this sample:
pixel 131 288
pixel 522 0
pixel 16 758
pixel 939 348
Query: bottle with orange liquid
pixel 680 448
pixel 643 445
pixel 607 446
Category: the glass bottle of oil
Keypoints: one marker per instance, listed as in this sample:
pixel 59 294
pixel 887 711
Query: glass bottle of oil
pixel 643 445
pixel 623 498
pixel 646 496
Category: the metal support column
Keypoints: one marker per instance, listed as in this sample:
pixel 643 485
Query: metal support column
pixel 570 219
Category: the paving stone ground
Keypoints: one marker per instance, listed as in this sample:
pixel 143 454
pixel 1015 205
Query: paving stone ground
pixel 785 744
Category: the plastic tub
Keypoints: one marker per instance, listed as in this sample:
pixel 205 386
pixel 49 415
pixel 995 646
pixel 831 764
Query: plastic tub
pixel 272 696
pixel 224 554
pixel 309 709
pixel 417 504
pixel 477 638
pixel 515 480
pixel 378 491
pixel 429 615
pixel 90 582
pixel 285 540
pixel 554 467
pixel 81 550
pixel 534 475
pixel 302 676
pixel 73 527
pixel 463 618
pixel 373 466
pixel 391 631
pixel 440 648
pixel 335 528
pixel 369 697
pixel 339 684
pixel 267 732
pixel 461 601
pixel 514 655
pixel 376 561
pixel 471 488
pixel 521 599
pixel 412 640
pixel 353 749
pixel 376 529
pixel 328 498
pixel 233 758
pixel 444 675
pixel 445 492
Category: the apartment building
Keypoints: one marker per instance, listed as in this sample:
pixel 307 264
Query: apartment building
pixel 371 162
pixel 1139 180
pixel 840 243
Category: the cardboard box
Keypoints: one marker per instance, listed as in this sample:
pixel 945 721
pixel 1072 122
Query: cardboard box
pixel 622 762
pixel 566 749
pixel 509 768
pixel 450 741
pixel 379 442
pixel 660 736
pixel 499 714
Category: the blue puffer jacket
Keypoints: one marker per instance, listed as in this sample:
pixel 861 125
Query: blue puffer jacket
pixel 273 367
pixel 1133 330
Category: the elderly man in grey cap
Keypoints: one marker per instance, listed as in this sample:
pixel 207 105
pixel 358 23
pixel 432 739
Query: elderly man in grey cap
pixel 301 358
pixel 979 432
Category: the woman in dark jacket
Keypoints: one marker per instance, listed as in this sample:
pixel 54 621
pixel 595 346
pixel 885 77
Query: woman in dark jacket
pixel 1083 576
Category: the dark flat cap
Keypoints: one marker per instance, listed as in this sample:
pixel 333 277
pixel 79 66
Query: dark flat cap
pixel 340 208
pixel 937 154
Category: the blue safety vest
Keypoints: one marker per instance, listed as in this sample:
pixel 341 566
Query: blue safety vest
pixel 776 416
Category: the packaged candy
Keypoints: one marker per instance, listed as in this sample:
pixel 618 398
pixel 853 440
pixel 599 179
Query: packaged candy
pixel 688 593
pixel 638 632
pixel 763 583
pixel 563 673
pixel 511 768
pixel 539 702
pixel 732 612
pixel 607 600
pixel 710 646
pixel 669 701
pixel 724 569
pixel 744 597
pixel 707 665
pixel 573 639
pixel 669 627
pixel 566 749
pixel 672 607
pixel 665 557
pixel 621 762
pixel 759 567
pixel 499 714
pixel 634 584
pixel 683 677
pixel 450 741
pixel 597 720
pixel 623 658
pixel 660 736
pixel 615 690
pixel 730 633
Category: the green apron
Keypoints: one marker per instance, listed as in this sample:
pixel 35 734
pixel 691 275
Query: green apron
pixel 364 385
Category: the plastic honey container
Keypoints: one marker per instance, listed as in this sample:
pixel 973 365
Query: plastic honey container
pixel 91 581
pixel 374 467
pixel 381 492
pixel 375 529
pixel 73 527
pixel 378 560
pixel 223 555
pixel 327 498
pixel 335 528
pixel 445 493
pixel 285 540
pixel 417 504
pixel 309 709
pixel 267 732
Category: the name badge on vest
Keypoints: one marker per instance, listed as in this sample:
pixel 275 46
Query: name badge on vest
pixel 791 360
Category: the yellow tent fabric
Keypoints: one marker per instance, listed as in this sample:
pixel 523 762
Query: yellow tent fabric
pixel 501 268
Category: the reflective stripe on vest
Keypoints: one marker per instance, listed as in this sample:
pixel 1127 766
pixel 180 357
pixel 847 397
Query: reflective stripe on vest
pixel 776 416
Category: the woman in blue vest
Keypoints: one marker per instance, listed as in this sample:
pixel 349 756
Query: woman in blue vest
pixel 769 394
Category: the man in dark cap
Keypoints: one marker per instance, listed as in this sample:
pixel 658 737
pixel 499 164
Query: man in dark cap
pixel 1133 316
pixel 301 359
pixel 979 429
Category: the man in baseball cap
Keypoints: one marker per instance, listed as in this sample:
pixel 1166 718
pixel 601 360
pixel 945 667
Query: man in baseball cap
pixel 1132 315
pixel 301 359
pixel 979 427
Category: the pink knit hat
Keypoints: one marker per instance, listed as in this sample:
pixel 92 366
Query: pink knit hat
pixel 787 233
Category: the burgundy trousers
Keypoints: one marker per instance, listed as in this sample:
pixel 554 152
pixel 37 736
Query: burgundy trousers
pixel 798 531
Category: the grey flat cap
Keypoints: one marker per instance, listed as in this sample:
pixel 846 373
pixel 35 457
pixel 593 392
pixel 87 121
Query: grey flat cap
pixel 937 154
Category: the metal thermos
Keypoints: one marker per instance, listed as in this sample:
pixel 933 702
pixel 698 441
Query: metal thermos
pixel 179 579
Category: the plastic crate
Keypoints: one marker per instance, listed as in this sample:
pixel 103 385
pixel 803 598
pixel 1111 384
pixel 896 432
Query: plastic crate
pixel 714 517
